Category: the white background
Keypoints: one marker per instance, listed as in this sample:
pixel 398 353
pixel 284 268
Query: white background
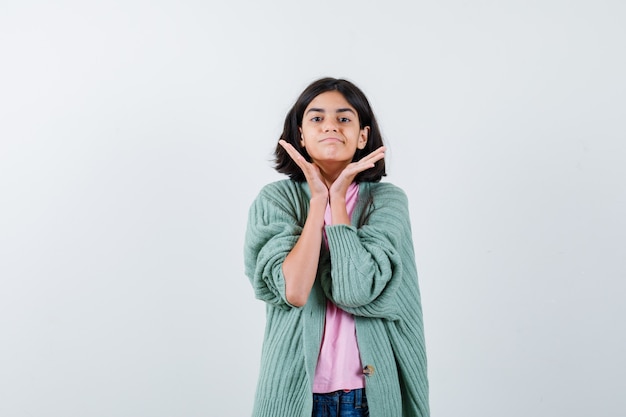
pixel 134 136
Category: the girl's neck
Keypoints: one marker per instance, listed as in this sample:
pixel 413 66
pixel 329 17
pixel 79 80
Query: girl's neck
pixel 331 173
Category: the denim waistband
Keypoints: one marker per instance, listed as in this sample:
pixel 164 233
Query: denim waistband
pixel 355 396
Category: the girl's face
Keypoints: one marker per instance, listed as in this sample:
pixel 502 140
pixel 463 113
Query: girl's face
pixel 330 129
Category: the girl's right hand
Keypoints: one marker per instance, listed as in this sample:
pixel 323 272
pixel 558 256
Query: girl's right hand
pixel 311 171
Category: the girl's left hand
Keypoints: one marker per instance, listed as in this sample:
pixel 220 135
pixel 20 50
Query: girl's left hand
pixel 343 181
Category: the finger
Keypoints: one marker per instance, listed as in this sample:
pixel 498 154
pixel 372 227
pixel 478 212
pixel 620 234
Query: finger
pixel 374 157
pixel 294 154
pixel 371 158
pixel 353 169
pixel 311 172
pixel 367 162
pixel 376 154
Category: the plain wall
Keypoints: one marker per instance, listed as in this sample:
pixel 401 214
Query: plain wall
pixel 134 136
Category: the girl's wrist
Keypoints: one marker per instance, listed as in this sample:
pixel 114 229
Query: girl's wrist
pixel 337 198
pixel 318 201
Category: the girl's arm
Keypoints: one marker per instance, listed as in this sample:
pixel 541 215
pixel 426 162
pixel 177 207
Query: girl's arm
pixel 373 266
pixel 300 266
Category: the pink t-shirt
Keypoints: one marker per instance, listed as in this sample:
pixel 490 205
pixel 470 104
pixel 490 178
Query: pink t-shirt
pixel 339 363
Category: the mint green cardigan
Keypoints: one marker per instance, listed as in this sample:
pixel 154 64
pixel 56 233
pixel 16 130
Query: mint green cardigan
pixel 368 270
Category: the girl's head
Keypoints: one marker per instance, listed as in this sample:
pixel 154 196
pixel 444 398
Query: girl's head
pixel 293 124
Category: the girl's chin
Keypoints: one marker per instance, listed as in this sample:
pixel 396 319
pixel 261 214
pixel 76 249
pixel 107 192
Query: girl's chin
pixel 331 162
pixel 332 157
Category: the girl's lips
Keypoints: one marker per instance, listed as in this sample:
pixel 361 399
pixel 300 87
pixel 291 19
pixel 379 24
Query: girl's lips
pixel 331 140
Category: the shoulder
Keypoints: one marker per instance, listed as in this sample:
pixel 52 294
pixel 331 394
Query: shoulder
pixel 282 190
pixel 385 187
pixel 283 197
pixel 385 191
pixel 278 186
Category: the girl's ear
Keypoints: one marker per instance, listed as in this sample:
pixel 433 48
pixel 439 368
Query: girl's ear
pixel 301 137
pixel 363 137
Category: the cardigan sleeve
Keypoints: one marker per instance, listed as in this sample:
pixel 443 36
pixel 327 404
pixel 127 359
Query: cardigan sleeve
pixel 368 264
pixel 272 231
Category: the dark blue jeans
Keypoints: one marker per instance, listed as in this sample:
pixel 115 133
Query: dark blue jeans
pixel 340 404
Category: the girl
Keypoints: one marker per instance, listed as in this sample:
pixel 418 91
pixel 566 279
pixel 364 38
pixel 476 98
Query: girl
pixel 330 252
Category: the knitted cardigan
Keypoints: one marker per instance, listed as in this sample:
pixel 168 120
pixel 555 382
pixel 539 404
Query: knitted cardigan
pixel 367 270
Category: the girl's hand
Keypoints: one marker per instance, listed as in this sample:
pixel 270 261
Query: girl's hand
pixel 343 181
pixel 311 171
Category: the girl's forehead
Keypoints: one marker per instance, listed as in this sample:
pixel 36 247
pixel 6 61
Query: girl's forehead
pixel 330 100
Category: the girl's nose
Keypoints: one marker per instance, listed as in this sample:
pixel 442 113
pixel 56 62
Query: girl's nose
pixel 330 126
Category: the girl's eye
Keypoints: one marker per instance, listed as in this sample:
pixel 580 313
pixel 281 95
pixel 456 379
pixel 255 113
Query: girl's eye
pixel 344 119
pixel 316 119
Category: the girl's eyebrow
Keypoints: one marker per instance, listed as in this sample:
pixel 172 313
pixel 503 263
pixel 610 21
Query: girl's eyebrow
pixel 320 110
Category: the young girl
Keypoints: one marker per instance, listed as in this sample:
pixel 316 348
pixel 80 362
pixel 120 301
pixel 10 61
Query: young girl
pixel 330 252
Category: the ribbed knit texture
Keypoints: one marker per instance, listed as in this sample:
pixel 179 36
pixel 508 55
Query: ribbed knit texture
pixel 368 271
